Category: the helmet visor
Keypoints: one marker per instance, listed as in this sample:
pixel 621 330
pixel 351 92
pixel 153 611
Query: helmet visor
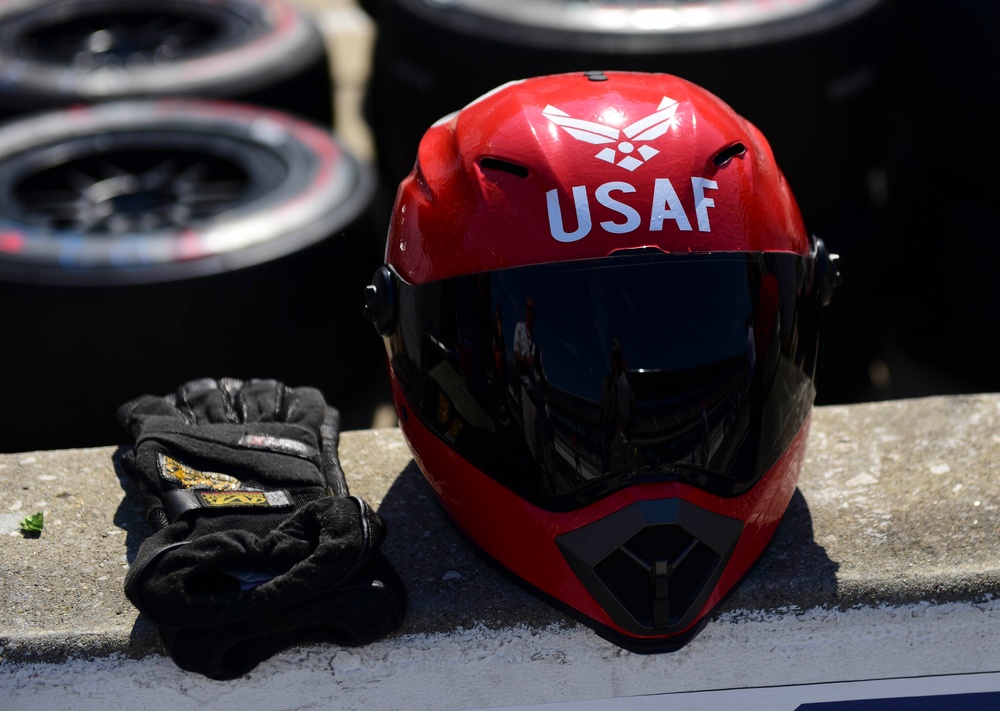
pixel 565 382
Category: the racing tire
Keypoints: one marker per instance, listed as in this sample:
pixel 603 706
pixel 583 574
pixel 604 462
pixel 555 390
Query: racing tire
pixel 944 212
pixel 146 243
pixel 61 52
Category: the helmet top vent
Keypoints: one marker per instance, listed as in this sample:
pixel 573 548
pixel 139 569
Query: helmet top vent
pixel 728 153
pixel 506 166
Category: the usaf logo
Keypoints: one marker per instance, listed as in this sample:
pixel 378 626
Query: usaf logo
pixel 632 149
pixel 642 131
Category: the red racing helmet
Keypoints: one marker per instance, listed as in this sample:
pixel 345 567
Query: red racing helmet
pixel 601 311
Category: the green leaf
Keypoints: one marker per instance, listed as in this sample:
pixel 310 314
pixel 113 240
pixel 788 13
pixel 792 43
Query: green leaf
pixel 33 523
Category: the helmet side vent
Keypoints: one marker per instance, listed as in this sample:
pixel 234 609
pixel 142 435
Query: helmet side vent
pixel 489 163
pixel 731 151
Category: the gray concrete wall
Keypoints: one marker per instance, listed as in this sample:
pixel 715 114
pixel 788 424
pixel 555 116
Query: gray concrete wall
pixel 887 565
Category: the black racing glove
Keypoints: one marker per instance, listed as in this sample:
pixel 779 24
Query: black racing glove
pixel 257 544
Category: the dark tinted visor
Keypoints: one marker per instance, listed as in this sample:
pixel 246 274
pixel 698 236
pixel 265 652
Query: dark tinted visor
pixel 565 382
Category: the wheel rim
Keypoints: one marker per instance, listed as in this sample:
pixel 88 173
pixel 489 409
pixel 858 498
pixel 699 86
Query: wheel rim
pixel 129 191
pixel 103 36
pixel 59 51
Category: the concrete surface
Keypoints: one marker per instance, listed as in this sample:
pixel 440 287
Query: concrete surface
pixel 889 557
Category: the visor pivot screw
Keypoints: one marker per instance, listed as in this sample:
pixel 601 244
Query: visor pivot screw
pixel 828 267
pixel 380 302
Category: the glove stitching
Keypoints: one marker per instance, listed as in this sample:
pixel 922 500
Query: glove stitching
pixel 175 441
pixel 182 405
pixel 228 406
pixel 244 407
pixel 280 403
pixel 364 551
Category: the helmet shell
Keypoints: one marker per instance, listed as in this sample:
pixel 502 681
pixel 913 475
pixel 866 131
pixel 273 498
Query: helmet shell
pixel 578 166
pixel 634 206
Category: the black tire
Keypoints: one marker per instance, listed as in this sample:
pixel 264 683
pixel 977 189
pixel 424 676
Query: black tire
pixel 59 52
pixel 946 189
pixel 263 279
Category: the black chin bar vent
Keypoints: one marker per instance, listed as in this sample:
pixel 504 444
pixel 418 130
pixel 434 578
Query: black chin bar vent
pixel 652 565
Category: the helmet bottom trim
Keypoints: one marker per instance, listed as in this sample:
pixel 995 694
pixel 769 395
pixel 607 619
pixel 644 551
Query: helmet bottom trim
pixel 653 564
pixel 645 644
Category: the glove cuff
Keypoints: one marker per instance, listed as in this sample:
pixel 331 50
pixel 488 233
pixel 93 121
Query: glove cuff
pixel 212 571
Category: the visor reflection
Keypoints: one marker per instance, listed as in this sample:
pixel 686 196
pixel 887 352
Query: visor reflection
pixel 564 382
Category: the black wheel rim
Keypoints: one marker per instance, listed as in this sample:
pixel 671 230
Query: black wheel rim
pixel 130 190
pixel 112 37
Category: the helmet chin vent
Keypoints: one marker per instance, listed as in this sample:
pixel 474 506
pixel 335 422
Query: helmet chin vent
pixel 657 574
pixel 503 165
pixel 653 564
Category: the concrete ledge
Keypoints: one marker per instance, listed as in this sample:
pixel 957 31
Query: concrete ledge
pixel 887 565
